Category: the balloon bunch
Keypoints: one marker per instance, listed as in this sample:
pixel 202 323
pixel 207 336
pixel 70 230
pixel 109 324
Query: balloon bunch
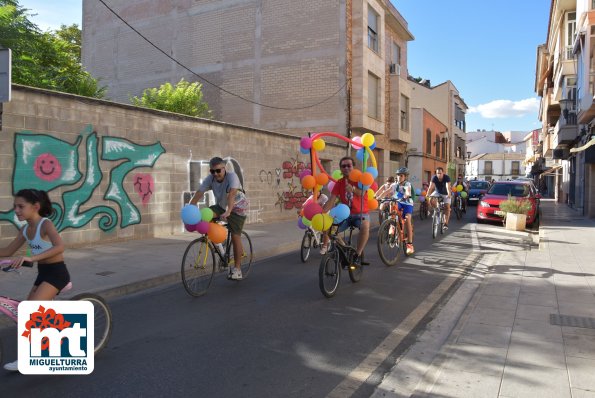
pixel 196 220
pixel 458 190
pixel 422 197
pixel 312 213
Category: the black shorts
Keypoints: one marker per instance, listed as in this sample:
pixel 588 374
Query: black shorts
pixel 55 274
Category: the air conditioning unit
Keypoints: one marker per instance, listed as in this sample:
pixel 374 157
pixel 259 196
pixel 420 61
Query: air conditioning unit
pixel 561 153
pixel 395 69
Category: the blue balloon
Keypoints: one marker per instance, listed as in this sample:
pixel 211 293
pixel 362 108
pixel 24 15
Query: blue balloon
pixel 360 154
pixel 300 223
pixel 340 212
pixel 373 145
pixel 190 215
pixel 363 187
pixel 418 191
pixel 373 171
pixel 304 151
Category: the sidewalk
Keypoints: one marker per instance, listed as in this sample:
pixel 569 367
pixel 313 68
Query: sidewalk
pixel 526 327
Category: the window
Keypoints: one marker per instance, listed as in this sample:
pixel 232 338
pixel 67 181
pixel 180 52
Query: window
pixel 373 96
pixel 404 113
pixel 488 167
pixel 372 29
pixel 395 56
pixel 515 168
pixel 570 33
pixel 444 148
pixel 429 141
pixel 437 145
pixel 427 176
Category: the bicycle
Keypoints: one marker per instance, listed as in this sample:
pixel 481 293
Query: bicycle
pixel 424 210
pixel 102 315
pixel 458 206
pixel 392 235
pixel 438 218
pixel 200 261
pixel 311 239
pixel 383 214
pixel 340 255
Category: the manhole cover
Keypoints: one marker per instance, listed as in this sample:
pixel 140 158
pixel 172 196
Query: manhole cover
pixel 573 321
pixel 105 273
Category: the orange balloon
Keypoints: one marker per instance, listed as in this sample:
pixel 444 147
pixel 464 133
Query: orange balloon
pixel 366 179
pixel 355 175
pixel 217 233
pixel 321 179
pixel 372 204
pixel 308 182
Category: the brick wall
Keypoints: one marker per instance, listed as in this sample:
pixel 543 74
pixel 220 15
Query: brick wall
pixel 124 170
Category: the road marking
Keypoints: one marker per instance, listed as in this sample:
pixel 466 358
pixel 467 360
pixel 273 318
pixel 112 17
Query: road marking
pixel 364 370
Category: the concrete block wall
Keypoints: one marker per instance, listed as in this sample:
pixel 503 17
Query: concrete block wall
pixel 269 161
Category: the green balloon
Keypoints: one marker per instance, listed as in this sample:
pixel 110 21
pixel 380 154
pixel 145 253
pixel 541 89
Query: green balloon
pixel 463 194
pixel 337 174
pixel 207 214
pixel 306 222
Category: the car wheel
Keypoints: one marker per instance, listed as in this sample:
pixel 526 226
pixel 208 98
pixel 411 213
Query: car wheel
pixel 480 221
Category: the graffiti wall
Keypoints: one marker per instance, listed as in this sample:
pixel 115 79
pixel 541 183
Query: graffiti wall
pixel 115 171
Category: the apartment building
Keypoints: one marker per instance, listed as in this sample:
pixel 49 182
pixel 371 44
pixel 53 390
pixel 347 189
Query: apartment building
pixel 565 82
pixel 292 66
pixel 428 149
pixel 501 166
pixel 446 105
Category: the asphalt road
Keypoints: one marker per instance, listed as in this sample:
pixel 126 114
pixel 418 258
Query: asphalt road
pixel 272 335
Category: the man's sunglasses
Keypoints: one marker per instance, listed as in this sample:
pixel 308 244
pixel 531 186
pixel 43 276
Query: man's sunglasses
pixel 344 166
pixel 213 171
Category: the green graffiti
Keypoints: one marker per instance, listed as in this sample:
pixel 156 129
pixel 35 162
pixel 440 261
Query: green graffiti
pixel 136 156
pixel 73 200
pixel 46 163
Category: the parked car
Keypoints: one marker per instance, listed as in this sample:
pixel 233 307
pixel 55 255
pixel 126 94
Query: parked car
pixel 476 189
pixel 488 208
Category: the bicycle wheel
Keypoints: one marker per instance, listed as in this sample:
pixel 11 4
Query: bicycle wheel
pixel 404 239
pixel 442 222
pixel 102 319
pixel 306 246
pixel 423 212
pixel 198 267
pixel 435 223
pixel 329 273
pixel 355 271
pixel 247 255
pixel 388 242
pixel 458 208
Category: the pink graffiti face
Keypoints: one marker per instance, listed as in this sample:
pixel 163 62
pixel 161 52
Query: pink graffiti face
pixel 144 185
pixel 47 167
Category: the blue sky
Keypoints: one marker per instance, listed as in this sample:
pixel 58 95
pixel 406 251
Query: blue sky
pixel 486 48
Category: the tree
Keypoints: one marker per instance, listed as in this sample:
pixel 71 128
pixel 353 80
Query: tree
pixel 50 60
pixel 185 98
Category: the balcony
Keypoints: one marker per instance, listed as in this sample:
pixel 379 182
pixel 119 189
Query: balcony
pixel 586 105
pixel 566 129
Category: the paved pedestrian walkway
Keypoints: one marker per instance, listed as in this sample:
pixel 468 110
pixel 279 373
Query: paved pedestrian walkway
pixel 526 324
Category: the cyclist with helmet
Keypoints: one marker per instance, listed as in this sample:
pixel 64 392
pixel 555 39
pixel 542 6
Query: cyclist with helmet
pixel 440 186
pixel 402 190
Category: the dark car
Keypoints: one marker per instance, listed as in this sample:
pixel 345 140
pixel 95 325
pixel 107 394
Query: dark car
pixel 476 189
pixel 488 208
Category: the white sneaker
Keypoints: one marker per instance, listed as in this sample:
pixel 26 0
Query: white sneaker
pixel 236 274
pixel 12 366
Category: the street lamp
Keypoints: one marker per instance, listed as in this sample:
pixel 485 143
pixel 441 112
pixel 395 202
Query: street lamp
pixel 565 107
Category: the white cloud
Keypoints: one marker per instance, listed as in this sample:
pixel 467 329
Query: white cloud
pixel 506 108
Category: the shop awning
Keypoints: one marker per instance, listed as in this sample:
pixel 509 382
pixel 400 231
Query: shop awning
pixel 550 171
pixel 584 147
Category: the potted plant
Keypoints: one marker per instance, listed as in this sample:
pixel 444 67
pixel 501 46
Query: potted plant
pixel 516 211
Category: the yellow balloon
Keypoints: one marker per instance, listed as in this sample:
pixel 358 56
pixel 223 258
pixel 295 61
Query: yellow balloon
pixel 367 139
pixel 318 221
pixel 459 187
pixel 328 221
pixel 318 144
pixel 370 194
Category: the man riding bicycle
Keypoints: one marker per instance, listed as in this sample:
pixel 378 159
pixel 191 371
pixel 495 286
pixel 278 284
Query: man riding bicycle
pixel 348 193
pixel 440 186
pixel 231 206
pixel 402 191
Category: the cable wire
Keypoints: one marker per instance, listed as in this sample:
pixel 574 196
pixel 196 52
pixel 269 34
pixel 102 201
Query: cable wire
pixel 211 83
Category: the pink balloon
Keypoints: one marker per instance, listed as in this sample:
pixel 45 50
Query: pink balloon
pixel 311 209
pixel 330 186
pixel 202 227
pixel 190 227
pixel 305 172
pixel 358 140
pixel 306 143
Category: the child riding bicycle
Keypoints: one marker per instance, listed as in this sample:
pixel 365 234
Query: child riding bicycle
pixel 402 191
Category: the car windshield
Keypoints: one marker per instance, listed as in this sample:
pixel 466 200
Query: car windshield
pixel 479 185
pixel 518 190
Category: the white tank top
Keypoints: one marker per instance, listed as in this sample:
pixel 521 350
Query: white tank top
pixel 37 244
